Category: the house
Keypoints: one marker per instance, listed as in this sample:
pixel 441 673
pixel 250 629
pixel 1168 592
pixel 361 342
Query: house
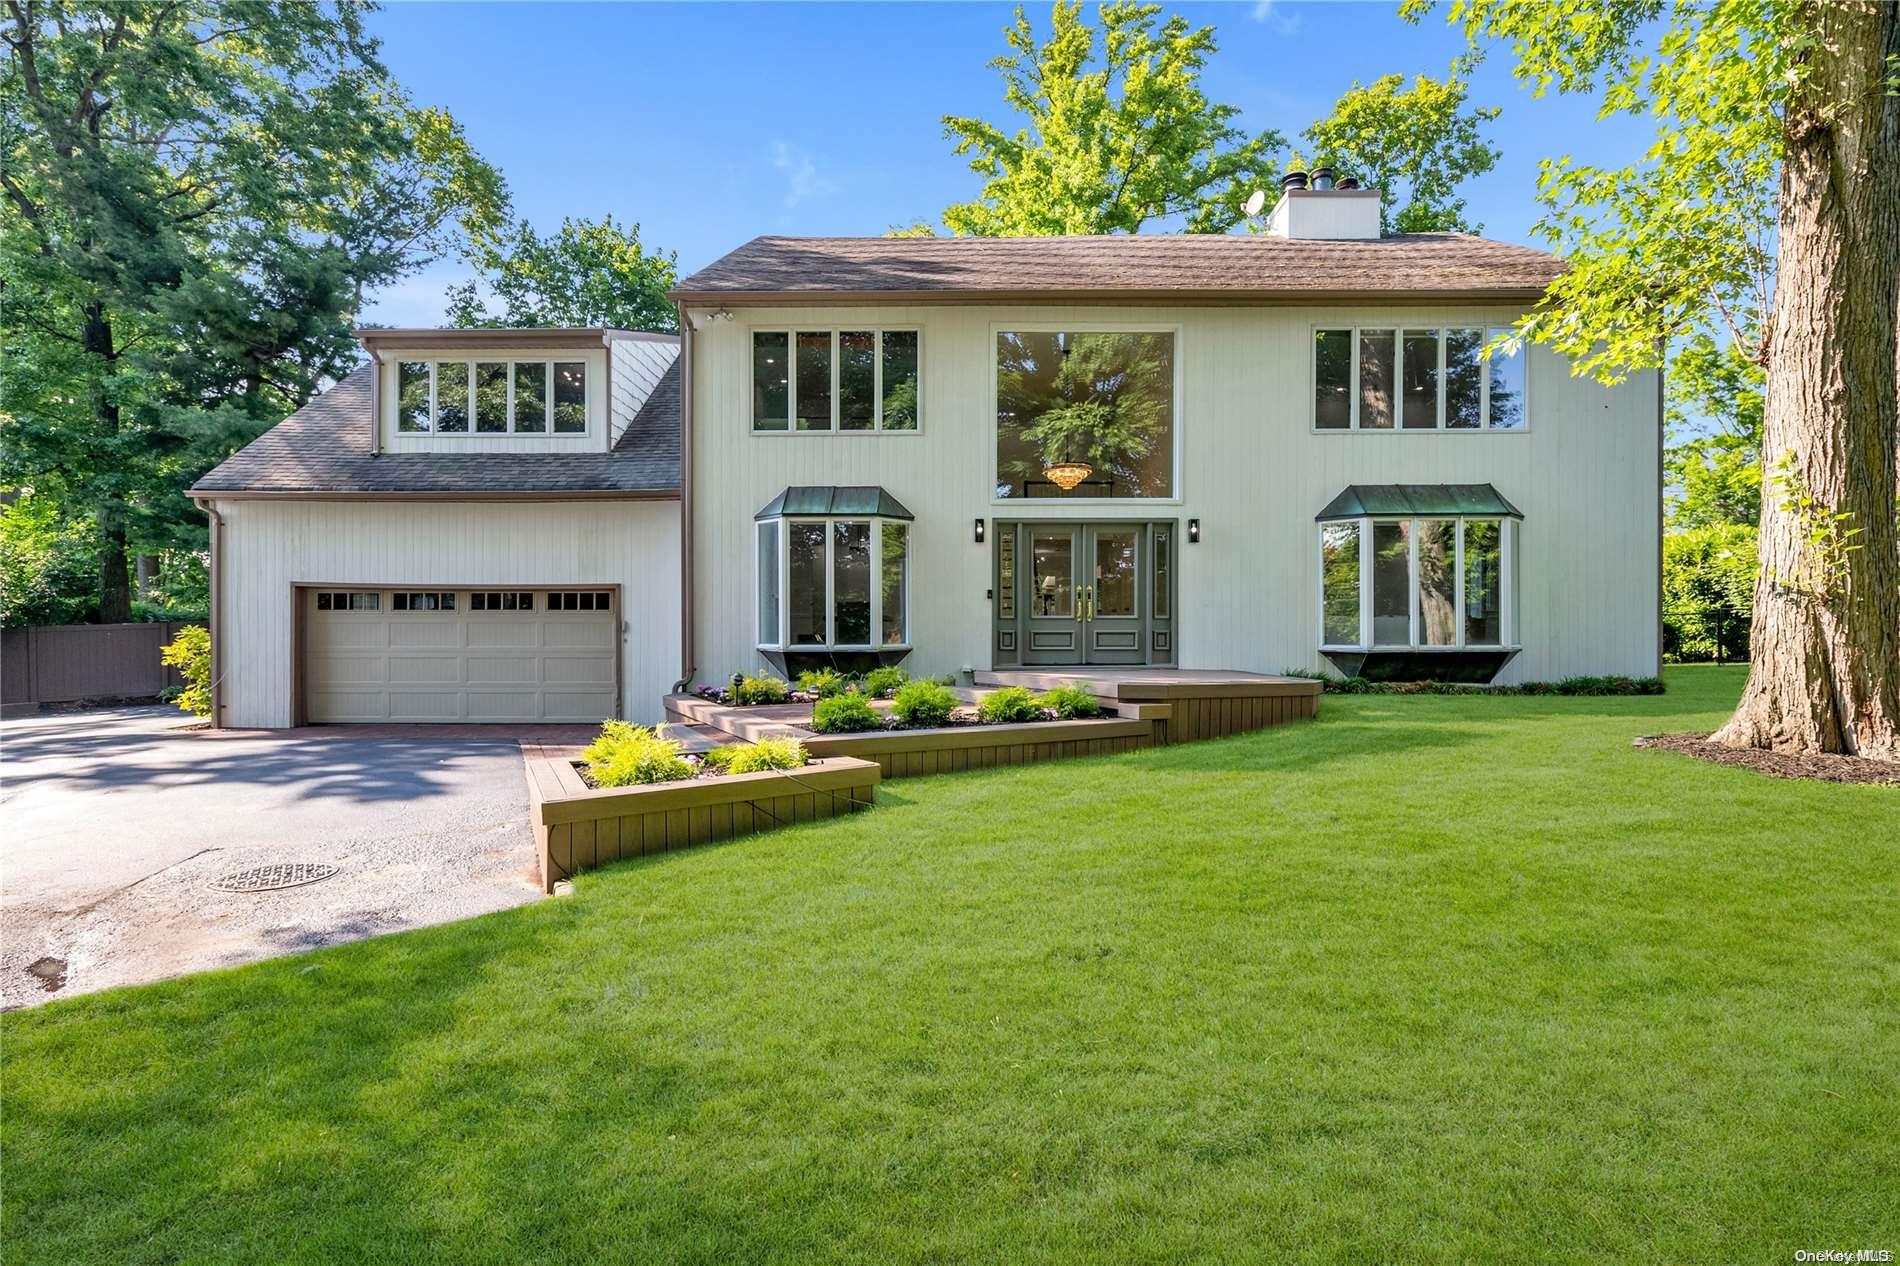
pixel 1243 452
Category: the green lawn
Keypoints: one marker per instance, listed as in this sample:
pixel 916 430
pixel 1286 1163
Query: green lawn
pixel 1442 979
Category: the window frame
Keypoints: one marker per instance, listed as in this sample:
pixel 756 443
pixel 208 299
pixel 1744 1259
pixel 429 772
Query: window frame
pixel 547 364
pixel 791 333
pixel 1400 328
pixel 1507 583
pixel 1179 422
pixel 875 524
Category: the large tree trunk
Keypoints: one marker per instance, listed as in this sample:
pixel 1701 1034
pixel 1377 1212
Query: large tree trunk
pixel 115 570
pixel 1825 659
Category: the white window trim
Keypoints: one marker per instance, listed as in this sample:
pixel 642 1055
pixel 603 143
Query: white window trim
pixel 1399 330
pixel 791 333
pixel 784 552
pixel 508 362
pixel 1179 421
pixel 1507 581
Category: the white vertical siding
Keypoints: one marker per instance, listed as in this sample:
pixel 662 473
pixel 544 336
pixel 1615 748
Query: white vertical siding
pixel 272 546
pixel 1253 471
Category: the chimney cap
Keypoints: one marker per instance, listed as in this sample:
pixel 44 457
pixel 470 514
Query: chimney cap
pixel 1347 182
pixel 1295 179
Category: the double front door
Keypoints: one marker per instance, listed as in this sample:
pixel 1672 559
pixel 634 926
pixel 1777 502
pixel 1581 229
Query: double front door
pixel 1082 593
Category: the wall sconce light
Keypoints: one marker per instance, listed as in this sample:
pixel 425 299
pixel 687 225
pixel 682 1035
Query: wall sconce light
pixel 979 531
pixel 1194 531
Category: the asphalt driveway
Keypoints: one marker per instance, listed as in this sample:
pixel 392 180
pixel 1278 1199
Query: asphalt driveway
pixel 114 824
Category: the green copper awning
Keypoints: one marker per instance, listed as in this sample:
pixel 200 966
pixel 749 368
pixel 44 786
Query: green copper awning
pixel 1421 500
pixel 825 499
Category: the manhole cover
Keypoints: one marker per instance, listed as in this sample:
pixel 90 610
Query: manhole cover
pixel 277 875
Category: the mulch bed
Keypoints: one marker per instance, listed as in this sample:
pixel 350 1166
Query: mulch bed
pixel 1819 767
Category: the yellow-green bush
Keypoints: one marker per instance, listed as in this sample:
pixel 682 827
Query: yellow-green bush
pixel 632 755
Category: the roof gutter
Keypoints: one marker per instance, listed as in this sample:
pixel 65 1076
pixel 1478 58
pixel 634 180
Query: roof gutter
pixel 688 652
pixel 1169 298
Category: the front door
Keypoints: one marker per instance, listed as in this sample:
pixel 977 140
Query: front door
pixel 1084 592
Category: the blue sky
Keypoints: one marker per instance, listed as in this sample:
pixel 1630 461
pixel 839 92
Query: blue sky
pixel 710 124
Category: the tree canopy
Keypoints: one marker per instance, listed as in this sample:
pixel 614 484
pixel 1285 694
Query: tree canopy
pixel 1116 131
pixel 1414 144
pixel 590 273
pixel 196 197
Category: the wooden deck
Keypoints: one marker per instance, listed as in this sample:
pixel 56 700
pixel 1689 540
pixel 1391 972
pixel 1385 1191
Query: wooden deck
pixel 1201 703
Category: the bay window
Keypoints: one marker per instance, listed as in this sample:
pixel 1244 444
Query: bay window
pixel 835 583
pixel 1416 583
pixel 1390 378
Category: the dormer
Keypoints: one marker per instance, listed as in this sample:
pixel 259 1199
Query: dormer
pixel 510 390
pixel 1324 211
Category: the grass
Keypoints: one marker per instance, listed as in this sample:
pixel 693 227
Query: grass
pixel 1433 979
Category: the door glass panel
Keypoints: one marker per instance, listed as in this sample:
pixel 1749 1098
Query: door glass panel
pixel 1053 560
pixel 851 582
pixel 1161 576
pixel 1437 582
pixel 1391 584
pixel 1115 572
pixel 805 582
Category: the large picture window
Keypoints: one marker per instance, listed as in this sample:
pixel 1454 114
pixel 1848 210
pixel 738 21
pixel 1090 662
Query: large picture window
pixel 834 381
pixel 1085 415
pixel 833 583
pixel 520 397
pixel 1415 583
pixel 1395 379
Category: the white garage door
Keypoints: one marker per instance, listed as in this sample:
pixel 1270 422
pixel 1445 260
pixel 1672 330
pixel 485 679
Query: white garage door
pixel 460 655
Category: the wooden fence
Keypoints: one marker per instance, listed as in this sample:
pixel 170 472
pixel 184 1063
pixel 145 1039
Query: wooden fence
pixel 74 663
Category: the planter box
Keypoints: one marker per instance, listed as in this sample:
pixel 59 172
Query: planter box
pixel 910 753
pixel 577 827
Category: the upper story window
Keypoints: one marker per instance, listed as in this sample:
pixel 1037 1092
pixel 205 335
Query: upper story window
pixel 834 381
pixel 1394 378
pixel 491 397
pixel 1085 415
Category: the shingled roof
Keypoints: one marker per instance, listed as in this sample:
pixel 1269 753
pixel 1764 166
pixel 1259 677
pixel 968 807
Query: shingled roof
pixel 324 448
pixel 1192 267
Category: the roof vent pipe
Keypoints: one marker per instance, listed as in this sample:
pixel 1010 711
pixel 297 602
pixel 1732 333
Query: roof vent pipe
pixel 1348 182
pixel 1322 178
pixel 1293 180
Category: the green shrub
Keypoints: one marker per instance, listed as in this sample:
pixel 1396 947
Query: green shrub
pixel 823 682
pixel 1708 591
pixel 882 683
pixel 632 755
pixel 748 691
pixel 844 714
pixel 1071 701
pixel 190 654
pixel 771 753
pixel 1011 705
pixel 924 703
pixel 721 757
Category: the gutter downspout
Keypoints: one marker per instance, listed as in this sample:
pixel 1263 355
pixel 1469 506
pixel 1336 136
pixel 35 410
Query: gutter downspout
pixel 216 613
pixel 375 401
pixel 688 656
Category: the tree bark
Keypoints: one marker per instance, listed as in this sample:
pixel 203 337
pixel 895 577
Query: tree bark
pixel 1825 659
pixel 115 572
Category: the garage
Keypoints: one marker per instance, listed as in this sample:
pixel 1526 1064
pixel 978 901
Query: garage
pixel 460 655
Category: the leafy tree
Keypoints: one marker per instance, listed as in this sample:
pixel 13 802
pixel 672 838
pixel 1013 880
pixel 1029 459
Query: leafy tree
pixel 1415 145
pixel 1768 205
pixel 1118 134
pixel 196 195
pixel 1714 476
pixel 48 564
pixel 1708 591
pixel 591 273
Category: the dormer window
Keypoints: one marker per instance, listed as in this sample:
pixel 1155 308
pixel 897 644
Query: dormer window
pixel 491 397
